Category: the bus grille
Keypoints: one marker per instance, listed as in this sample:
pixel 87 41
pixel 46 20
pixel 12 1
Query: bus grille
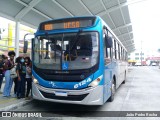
pixel 69 97
pixel 73 76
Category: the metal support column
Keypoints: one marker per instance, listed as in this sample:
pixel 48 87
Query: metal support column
pixel 17 29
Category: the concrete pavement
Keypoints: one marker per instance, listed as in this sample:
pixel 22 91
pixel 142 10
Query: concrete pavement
pixel 11 103
pixel 140 93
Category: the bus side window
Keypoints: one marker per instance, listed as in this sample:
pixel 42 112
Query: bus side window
pixel 126 56
pixel 104 44
pixel 117 52
pixel 107 51
pixel 121 53
pixel 113 50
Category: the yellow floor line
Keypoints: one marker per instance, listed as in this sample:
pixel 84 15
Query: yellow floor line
pixel 7 100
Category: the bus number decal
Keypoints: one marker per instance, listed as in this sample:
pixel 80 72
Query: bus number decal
pixel 82 83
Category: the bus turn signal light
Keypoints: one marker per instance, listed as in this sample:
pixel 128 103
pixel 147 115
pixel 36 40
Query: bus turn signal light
pixel 96 81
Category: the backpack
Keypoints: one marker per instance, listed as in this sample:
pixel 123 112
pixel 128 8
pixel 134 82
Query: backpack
pixel 13 73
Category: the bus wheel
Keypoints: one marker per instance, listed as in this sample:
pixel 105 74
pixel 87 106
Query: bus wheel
pixel 124 79
pixel 113 90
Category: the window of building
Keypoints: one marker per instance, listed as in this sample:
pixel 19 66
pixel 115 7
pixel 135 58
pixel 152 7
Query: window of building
pixel 136 58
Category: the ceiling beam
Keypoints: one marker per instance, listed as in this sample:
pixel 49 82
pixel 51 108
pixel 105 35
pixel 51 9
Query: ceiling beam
pixel 13 19
pixel 130 45
pixel 120 6
pixel 86 7
pixel 25 10
pixel 35 10
pixel 107 13
pixel 124 34
pixel 7 16
pixel 63 8
pixel 121 12
pixel 29 25
pixel 123 18
pixel 126 25
pixel 129 48
pixel 112 9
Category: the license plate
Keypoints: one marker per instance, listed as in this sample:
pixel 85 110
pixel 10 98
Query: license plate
pixel 61 94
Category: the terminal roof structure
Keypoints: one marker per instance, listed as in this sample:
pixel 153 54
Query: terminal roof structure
pixel 31 12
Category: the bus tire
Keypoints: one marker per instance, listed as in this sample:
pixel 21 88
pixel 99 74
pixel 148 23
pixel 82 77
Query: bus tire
pixel 124 79
pixel 113 90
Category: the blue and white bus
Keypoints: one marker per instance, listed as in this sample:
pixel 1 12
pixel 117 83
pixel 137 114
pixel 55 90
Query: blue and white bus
pixel 77 60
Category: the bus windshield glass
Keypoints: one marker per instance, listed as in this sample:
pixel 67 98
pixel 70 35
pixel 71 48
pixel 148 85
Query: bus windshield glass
pixel 67 51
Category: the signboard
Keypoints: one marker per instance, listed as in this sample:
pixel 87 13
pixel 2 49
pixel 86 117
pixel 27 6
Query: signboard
pixel 67 23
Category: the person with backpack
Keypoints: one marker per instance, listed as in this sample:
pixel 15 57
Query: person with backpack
pixel 16 78
pixel 8 65
pixel 21 73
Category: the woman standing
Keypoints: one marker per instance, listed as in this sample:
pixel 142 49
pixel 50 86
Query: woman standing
pixel 9 64
pixel 21 73
pixel 28 76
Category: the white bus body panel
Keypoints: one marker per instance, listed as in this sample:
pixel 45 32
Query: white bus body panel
pixel 94 97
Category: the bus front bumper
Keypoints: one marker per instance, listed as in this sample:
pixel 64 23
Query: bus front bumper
pixel 88 96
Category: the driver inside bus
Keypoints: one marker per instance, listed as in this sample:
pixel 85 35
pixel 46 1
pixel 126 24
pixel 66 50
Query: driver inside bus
pixel 55 50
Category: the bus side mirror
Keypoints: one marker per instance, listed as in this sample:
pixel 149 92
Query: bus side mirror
pixel 109 42
pixel 25 47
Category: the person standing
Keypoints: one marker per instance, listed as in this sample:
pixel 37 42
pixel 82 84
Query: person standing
pixel 9 64
pixel 1 71
pixel 21 73
pixel 28 76
pixel 16 79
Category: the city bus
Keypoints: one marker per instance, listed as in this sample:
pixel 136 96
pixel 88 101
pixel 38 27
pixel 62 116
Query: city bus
pixel 77 60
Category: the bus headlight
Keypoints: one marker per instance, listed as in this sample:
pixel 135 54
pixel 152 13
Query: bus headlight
pixel 35 80
pixel 96 81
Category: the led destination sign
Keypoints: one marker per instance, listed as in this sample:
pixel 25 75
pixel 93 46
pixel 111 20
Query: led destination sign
pixel 67 23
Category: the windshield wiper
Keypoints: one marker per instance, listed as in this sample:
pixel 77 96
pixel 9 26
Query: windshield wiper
pixel 75 40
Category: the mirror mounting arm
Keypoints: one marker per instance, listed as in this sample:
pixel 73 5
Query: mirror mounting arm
pixel 26 43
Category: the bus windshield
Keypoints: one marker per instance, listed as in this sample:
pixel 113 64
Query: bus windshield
pixel 67 51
